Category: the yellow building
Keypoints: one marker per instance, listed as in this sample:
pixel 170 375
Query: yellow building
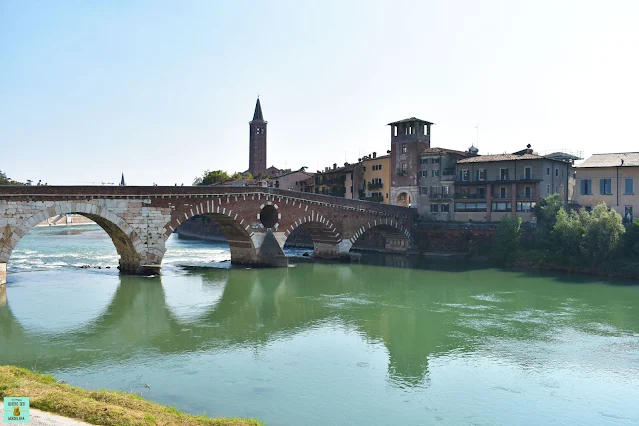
pixel 376 177
pixel 610 179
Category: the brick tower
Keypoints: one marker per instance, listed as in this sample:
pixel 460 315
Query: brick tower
pixel 257 148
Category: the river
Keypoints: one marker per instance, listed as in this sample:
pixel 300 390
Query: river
pixel 377 343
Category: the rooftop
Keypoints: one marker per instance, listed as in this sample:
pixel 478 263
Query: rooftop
pixel 619 159
pixel 500 157
pixel 409 120
pixel 436 150
pixel 380 157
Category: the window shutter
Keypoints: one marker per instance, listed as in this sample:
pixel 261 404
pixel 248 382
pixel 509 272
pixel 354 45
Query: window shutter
pixel 602 187
pixel 583 187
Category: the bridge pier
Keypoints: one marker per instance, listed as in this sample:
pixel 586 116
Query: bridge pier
pixel 3 274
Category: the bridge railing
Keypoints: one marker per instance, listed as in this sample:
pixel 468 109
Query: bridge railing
pixel 89 192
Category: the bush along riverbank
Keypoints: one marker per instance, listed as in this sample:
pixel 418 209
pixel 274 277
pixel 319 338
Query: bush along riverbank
pixel 592 242
pixel 100 407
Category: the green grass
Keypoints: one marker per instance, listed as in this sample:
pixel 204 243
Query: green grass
pixel 102 407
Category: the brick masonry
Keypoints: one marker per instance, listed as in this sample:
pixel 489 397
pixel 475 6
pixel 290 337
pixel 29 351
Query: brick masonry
pixel 139 220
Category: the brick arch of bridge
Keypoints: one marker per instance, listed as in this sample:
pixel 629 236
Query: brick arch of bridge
pixel 323 232
pixel 127 242
pixel 396 237
pixel 238 216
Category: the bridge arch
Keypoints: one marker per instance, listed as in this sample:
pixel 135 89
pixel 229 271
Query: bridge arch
pixel 239 237
pixel 127 242
pixel 395 238
pixel 323 232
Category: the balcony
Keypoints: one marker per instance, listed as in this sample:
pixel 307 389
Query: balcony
pixel 371 186
pixel 524 196
pixel 498 178
pixel 498 196
pixel 450 172
pixel 474 196
pixel 439 196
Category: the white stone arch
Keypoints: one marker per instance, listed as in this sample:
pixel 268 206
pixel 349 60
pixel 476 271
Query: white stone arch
pixel 127 242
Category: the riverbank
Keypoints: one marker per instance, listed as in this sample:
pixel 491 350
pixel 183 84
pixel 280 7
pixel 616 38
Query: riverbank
pixel 102 407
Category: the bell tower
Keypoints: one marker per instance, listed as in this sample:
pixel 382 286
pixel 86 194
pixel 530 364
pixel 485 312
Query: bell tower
pixel 257 139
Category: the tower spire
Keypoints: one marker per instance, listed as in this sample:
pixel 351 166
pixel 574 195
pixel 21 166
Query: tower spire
pixel 257 116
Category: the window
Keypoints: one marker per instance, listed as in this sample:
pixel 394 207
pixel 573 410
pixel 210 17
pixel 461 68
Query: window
pixel 424 173
pixel 395 130
pixel 463 175
pixel 445 191
pixel 435 173
pixel 586 187
pixel 548 189
pixel 503 174
pixel 481 174
pixel 404 167
pixel 481 192
pixel 379 167
pixel 525 206
pixel 605 186
pixel 403 148
pixel 557 172
pixel 627 214
pixel 556 188
pixel 547 171
pixel 423 160
pixel 434 208
pixel 445 208
pixel 502 192
pixel 501 207
pixel 435 160
pixel 364 168
pixel 424 190
pixel 470 207
pixel 629 186
pixel 433 190
pixel 527 173
pixel 527 192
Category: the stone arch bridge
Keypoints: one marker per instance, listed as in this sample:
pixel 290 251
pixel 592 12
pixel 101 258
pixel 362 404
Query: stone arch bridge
pixel 256 221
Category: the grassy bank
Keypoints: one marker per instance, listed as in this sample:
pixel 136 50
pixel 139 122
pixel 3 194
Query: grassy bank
pixel 97 407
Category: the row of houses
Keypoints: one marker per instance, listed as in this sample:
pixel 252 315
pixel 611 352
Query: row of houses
pixel 450 185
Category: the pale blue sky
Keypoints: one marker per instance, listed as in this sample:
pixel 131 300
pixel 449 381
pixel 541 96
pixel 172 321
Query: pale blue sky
pixel 164 90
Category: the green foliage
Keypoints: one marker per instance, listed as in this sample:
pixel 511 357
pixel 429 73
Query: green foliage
pixel 248 175
pixel 211 177
pixel 568 233
pixel 631 239
pixel 507 237
pixel 604 233
pixel 546 212
pixel 4 180
pixel 237 175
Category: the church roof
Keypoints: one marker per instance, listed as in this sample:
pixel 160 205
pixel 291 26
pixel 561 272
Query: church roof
pixel 257 116
pixel 410 120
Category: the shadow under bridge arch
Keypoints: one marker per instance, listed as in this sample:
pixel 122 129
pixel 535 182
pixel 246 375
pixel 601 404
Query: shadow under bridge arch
pixel 381 238
pixel 321 236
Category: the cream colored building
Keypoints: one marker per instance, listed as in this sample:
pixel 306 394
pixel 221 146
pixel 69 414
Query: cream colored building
pixel 611 179
pixel 376 176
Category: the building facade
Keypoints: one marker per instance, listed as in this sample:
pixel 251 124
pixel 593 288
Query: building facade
pixel 409 138
pixel 257 142
pixel 437 182
pixel 293 181
pixel 340 182
pixel 489 187
pixel 376 178
pixel 611 179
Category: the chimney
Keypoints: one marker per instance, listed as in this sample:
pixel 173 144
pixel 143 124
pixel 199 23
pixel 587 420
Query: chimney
pixel 374 154
pixel 334 166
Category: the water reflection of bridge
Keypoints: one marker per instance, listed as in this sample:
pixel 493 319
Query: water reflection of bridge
pixel 252 308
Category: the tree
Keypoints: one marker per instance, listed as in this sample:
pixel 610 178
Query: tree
pixel 4 180
pixel 568 233
pixel 631 239
pixel 546 212
pixel 604 233
pixel 211 177
pixel 237 175
pixel 507 237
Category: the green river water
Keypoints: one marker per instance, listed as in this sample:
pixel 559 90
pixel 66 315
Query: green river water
pixel 377 343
